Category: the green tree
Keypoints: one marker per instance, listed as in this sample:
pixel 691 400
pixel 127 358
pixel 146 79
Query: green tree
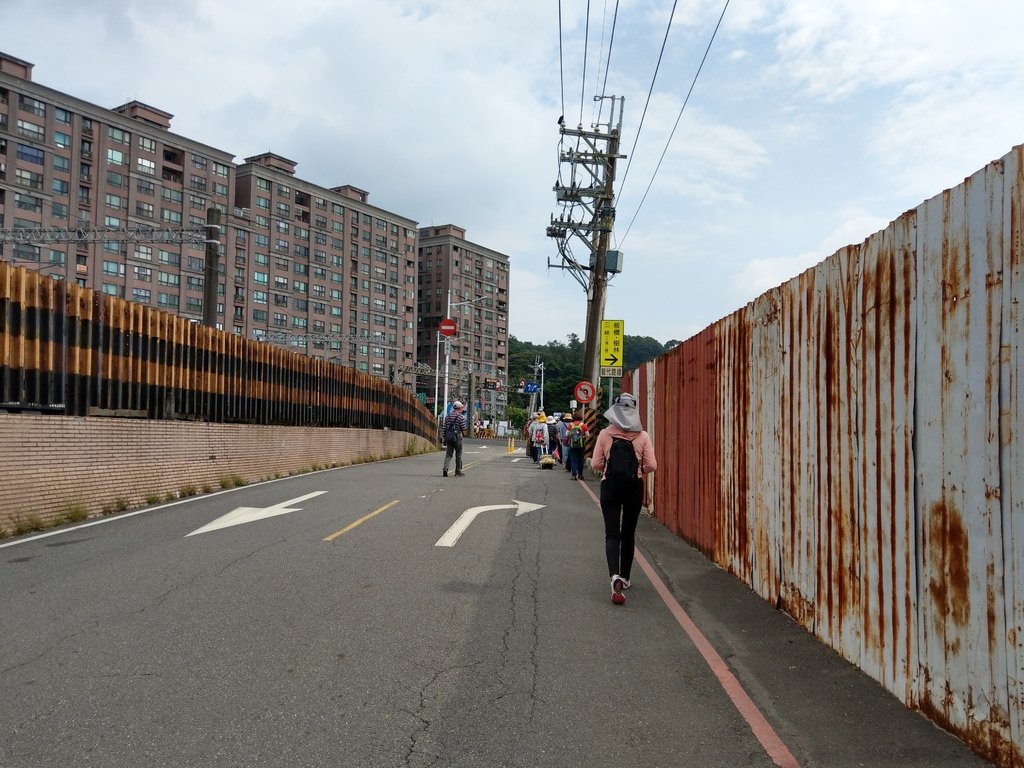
pixel 563 366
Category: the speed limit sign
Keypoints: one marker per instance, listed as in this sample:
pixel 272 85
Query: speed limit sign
pixel 584 392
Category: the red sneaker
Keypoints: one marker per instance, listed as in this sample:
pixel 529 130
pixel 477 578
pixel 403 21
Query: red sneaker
pixel 617 586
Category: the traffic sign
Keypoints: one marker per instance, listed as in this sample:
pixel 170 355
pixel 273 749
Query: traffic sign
pixel 611 343
pixel 447 327
pixel 584 392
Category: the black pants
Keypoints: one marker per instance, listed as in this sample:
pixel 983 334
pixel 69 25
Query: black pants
pixel 453 446
pixel 621 506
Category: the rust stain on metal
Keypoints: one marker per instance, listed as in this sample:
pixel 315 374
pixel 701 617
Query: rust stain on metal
pixel 947 548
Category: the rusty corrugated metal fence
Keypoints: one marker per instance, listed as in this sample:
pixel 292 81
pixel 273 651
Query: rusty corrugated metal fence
pixel 849 444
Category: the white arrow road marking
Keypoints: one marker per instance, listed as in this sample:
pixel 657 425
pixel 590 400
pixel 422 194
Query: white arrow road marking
pixel 459 526
pixel 249 514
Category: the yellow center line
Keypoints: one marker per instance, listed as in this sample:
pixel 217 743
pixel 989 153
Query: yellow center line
pixel 480 461
pixel 362 520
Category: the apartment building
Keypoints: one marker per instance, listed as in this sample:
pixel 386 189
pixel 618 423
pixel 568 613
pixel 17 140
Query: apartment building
pixel 66 163
pixel 322 270
pixel 318 270
pixel 469 283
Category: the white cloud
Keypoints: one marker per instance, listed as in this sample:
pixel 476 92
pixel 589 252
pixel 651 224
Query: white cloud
pixel 811 125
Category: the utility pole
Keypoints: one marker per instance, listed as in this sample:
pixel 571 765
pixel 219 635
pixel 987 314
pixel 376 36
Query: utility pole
pixel 211 269
pixel 590 190
pixel 604 217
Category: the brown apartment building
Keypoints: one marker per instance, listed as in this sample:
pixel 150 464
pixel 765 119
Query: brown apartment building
pixel 318 270
pixel 469 283
pixel 322 270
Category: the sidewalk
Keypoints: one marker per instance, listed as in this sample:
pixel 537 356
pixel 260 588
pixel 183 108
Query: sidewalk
pixel 826 712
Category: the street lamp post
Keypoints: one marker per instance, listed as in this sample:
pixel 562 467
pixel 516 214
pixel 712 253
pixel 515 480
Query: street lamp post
pixel 448 345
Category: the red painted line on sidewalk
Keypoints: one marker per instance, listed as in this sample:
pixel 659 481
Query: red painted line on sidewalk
pixel 759 725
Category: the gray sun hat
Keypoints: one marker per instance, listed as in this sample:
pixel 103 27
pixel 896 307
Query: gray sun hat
pixel 624 413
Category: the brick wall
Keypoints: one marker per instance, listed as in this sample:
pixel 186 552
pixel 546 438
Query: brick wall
pixel 50 463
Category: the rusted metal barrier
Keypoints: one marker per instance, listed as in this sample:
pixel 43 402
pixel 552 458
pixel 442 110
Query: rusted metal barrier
pixel 849 445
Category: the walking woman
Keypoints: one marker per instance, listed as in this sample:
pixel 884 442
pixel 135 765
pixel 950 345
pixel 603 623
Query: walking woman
pixel 623 454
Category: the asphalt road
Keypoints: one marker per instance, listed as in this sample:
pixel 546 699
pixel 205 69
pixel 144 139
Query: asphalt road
pixel 341 634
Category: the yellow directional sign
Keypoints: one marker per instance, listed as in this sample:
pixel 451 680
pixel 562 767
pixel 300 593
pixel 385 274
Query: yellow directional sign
pixel 611 345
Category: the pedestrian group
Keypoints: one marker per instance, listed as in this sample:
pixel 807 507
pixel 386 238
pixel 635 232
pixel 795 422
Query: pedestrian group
pixel 623 454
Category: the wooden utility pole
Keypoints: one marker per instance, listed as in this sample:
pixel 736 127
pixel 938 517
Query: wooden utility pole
pixel 589 188
pixel 604 217
pixel 211 270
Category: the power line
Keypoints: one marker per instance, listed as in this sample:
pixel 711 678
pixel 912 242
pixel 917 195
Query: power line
pixel 678 117
pixel 586 43
pixel 561 69
pixel 608 61
pixel 611 41
pixel 650 91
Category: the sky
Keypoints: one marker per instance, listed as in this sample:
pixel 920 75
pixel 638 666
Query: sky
pixel 810 126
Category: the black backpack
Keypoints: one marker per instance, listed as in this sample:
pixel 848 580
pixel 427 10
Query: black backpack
pixel 452 433
pixel 622 463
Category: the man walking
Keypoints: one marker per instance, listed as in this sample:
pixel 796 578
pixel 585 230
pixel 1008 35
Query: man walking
pixel 454 426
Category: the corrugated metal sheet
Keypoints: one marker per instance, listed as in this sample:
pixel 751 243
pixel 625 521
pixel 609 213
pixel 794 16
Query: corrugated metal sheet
pixel 885 377
pixel 961 611
pixel 1011 438
pixel 847 445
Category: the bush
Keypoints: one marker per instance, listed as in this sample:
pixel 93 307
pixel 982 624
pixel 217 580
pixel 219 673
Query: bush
pixel 75 513
pixel 152 498
pixel 187 490
pixel 232 481
pixel 29 524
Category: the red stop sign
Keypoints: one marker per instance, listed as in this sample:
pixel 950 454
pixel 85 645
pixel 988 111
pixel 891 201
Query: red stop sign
pixel 447 327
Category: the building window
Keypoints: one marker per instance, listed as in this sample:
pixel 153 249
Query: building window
pixel 145 187
pixel 29 179
pixel 62 140
pixel 145 166
pixel 113 201
pixel 28 202
pixel 60 211
pixel 62 116
pixel 31 131
pixel 221 170
pixel 147 144
pixel 30 154
pixel 115 157
pixel 118 136
pixel 141 295
pixel 144 209
pixel 198 161
pixel 61 164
